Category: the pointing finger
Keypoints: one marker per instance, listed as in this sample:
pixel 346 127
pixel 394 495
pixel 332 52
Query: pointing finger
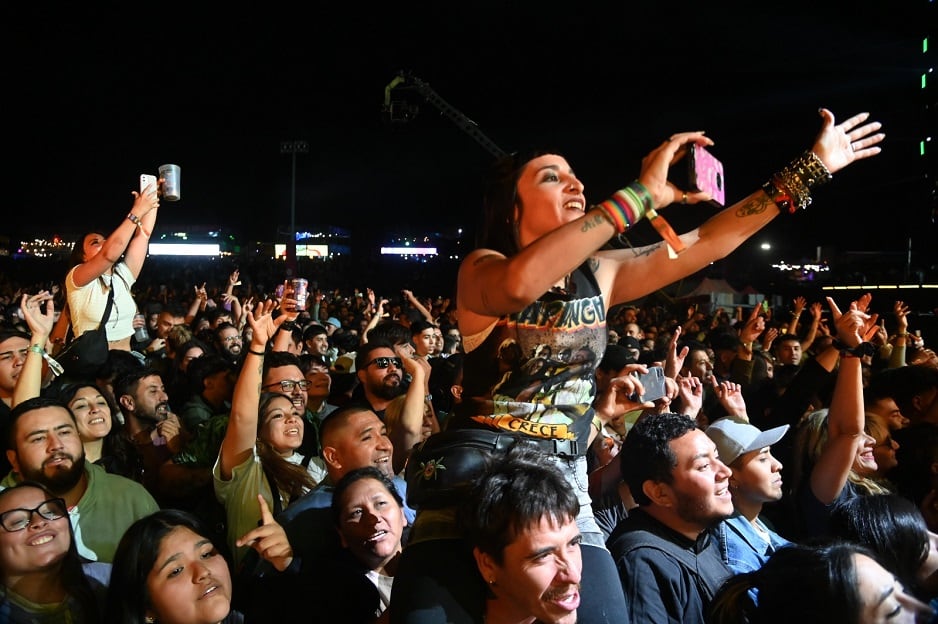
pixel 266 516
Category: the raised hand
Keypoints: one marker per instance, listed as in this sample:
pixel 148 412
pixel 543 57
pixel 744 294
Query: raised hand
pixel 855 325
pixel 838 145
pixel 39 314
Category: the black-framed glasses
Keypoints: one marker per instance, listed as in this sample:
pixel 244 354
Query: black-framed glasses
pixel 287 385
pixel 14 520
pixel 384 362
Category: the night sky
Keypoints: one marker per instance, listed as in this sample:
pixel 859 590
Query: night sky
pixel 97 96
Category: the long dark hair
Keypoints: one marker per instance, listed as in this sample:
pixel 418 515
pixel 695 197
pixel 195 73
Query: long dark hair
pixel 291 478
pixel 118 455
pixel 74 581
pixel 499 230
pixel 889 524
pixel 800 582
pixel 127 596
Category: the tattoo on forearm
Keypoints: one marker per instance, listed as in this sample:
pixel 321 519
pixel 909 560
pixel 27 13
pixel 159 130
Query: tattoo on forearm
pixel 647 251
pixel 589 224
pixel 756 204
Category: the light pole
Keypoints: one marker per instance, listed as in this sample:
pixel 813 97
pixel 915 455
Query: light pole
pixel 293 148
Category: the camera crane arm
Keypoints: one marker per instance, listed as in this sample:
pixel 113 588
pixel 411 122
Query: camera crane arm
pixel 465 124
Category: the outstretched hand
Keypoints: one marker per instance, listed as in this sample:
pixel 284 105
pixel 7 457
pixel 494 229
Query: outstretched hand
pixel 838 145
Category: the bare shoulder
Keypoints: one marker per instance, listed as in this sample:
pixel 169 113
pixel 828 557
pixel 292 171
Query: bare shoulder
pixel 477 259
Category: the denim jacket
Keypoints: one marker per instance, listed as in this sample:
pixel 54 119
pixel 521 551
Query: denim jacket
pixel 741 546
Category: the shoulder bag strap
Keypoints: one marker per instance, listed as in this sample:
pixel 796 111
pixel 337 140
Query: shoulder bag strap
pixel 110 303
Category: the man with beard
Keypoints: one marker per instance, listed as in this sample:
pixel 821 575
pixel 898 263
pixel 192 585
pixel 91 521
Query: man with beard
pixel 666 551
pixel 157 356
pixel 380 371
pixel 154 431
pixel 44 446
pixel 229 343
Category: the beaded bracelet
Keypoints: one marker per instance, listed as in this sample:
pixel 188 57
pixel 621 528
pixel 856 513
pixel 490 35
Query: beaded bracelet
pixel 791 187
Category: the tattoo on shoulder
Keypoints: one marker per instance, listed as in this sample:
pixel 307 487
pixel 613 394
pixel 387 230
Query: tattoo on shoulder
pixel 756 204
pixel 589 224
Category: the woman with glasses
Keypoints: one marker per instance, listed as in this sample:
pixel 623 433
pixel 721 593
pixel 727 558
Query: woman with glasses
pixel 259 451
pixel 43 577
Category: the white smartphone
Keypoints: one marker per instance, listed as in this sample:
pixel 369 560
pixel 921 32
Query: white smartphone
pixel 146 180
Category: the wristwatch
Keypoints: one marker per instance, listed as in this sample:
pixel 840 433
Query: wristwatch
pixel 287 326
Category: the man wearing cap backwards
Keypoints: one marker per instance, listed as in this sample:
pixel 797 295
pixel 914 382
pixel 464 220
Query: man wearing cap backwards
pixel 745 540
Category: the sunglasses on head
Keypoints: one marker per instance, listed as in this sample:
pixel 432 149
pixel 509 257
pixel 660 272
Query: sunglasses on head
pixel 384 362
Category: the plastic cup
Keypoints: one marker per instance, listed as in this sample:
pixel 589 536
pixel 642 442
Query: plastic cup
pixel 140 334
pixel 172 182
pixel 300 292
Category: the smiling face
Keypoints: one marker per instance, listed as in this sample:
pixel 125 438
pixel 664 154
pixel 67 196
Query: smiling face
pixel 282 425
pixel 189 582
pixel 548 196
pixel 384 383
pixel 864 464
pixel 42 545
pixel 539 575
pixel 699 492
pixel 361 441
pixel 91 412
pixel 371 523
pixel 48 449
pixel 290 372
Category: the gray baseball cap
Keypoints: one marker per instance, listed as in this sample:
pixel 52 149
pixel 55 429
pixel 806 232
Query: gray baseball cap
pixel 734 438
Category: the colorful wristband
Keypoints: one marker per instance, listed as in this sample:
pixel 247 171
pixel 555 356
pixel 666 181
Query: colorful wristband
pixel 626 207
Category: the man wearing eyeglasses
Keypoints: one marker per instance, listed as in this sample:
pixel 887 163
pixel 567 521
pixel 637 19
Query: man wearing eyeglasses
pixel 229 342
pixel 44 446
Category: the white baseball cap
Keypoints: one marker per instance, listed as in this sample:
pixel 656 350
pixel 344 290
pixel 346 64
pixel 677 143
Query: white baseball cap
pixel 734 438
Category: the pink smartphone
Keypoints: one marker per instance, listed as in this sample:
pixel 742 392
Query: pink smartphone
pixel 706 173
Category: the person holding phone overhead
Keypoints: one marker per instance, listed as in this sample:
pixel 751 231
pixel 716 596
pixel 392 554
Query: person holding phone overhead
pixel 542 276
pixel 102 262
